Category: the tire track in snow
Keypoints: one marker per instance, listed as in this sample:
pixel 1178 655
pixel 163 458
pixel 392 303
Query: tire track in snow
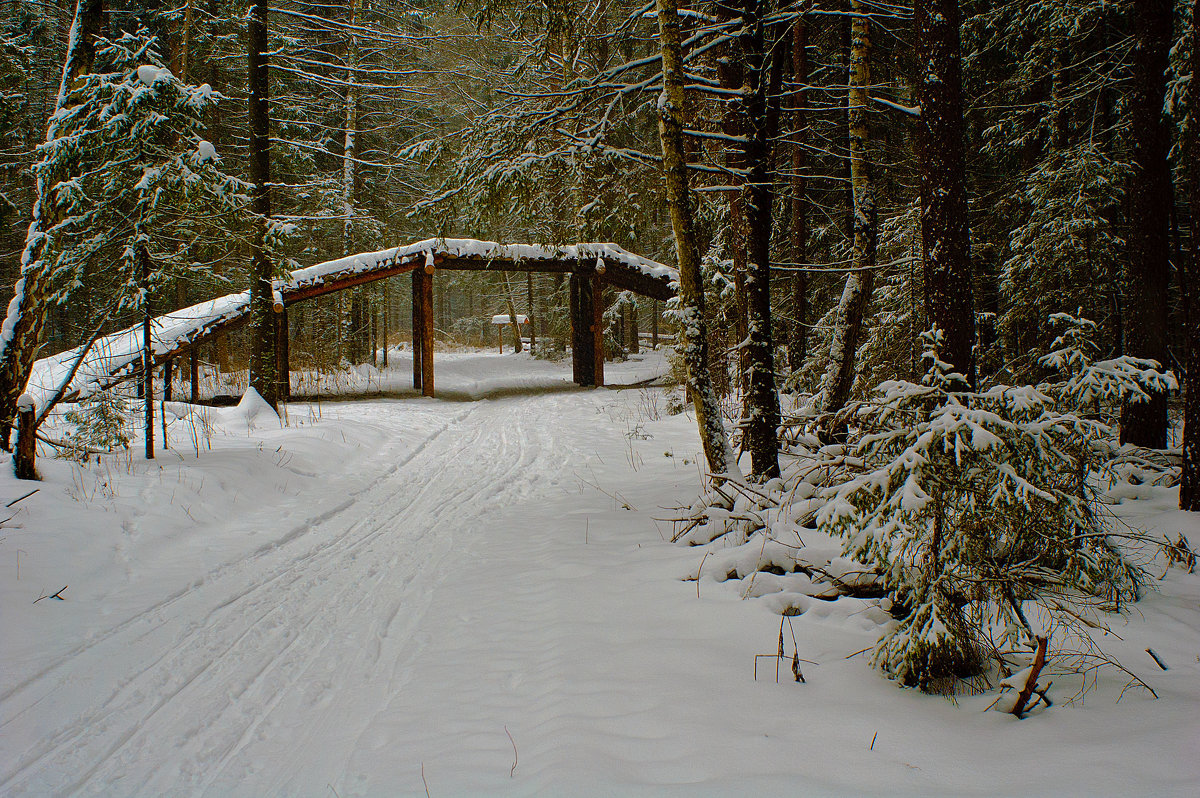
pixel 156 610
pixel 267 629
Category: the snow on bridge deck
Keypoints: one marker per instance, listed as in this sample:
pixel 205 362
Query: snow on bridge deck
pixel 118 355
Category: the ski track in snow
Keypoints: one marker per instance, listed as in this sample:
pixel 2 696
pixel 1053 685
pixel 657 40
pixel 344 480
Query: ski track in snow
pixel 267 656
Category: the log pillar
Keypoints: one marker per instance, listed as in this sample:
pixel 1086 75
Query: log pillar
pixel 194 376
pixel 423 329
pixel 598 330
pixel 168 372
pixel 25 452
pixel 654 325
pixel 283 368
pixel 587 327
pixel 635 344
pixel 418 330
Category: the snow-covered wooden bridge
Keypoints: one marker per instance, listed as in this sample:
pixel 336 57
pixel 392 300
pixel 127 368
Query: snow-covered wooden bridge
pixel 591 268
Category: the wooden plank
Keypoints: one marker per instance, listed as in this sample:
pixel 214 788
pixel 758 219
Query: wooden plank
pixel 337 282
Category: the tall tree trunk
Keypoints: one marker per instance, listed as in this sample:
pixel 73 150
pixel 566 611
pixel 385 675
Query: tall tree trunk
pixel 798 232
pixel 262 314
pixel 21 334
pixel 143 258
pixel 731 74
pixel 530 310
pixel 944 227
pixel 847 331
pixel 351 130
pixel 693 332
pixel 1147 271
pixel 1189 487
pixel 764 73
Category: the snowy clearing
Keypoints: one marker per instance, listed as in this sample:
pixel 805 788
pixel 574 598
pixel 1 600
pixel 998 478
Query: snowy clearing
pixel 474 598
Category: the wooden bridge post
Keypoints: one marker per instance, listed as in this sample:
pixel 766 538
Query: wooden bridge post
pixel 423 329
pixel 635 343
pixel 427 336
pixel 194 376
pixel 598 328
pixel 587 326
pixel 283 367
pixel 418 330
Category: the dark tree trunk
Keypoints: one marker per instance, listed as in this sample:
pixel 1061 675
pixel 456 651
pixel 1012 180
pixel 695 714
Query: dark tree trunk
pixel 731 74
pixel 798 232
pixel 1147 272
pixel 764 73
pixel 143 258
pixel 262 314
pixel 1189 488
pixel 27 316
pixel 944 227
pixel 635 345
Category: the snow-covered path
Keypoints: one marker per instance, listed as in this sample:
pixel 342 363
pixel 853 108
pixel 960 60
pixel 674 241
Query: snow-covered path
pixel 392 596
pixel 317 630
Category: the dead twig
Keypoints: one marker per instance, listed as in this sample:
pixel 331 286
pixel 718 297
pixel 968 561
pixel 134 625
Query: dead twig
pixel 57 595
pixel 514 745
pixel 1039 661
pixel 21 498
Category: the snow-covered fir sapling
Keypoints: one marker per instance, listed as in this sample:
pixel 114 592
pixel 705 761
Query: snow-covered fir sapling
pixel 100 422
pixel 971 504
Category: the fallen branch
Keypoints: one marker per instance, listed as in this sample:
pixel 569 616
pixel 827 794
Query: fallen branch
pixel 1039 661
pixel 57 595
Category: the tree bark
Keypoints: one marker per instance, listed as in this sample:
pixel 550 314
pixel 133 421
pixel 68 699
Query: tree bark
pixel 693 332
pixel 262 314
pixel 143 258
pixel 1189 486
pixel 23 326
pixel 945 232
pixel 798 232
pixel 1147 271
pixel 839 375
pixel 764 73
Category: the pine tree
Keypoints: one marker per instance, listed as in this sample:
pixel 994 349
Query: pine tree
pixel 21 334
pixel 1147 272
pixel 944 225
pixel 262 269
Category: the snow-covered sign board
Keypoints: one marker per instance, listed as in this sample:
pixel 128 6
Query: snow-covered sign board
pixel 504 318
pixel 117 356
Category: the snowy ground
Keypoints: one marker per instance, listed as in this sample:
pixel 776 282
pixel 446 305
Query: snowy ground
pixel 401 596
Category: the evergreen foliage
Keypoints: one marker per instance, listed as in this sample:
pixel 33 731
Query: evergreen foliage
pixel 972 503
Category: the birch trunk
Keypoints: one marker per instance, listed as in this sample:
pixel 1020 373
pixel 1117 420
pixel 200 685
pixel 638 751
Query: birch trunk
pixel 847 332
pixel 693 330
